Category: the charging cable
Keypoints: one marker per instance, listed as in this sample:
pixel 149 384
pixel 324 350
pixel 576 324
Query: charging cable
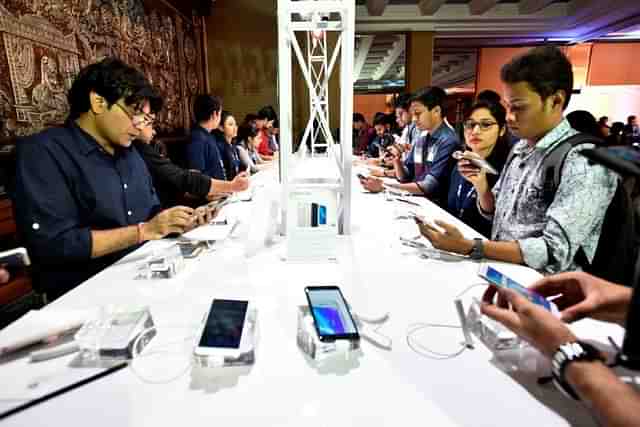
pixel 415 344
pixel 139 356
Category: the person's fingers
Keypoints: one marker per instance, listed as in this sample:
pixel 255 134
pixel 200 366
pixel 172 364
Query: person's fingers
pixel 4 275
pixel 181 222
pixel 449 228
pixel 577 311
pixel 183 209
pixel 554 285
pixel 508 318
pixel 563 302
pixel 489 294
pixel 517 301
pixel 181 216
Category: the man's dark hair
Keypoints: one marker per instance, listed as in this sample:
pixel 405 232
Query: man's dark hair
pixel 267 113
pixel 583 121
pixel 546 69
pixel 204 106
pixel 431 97
pixel 490 96
pixel 603 120
pixel 403 101
pixel 358 117
pixel 112 79
pixel 630 119
pixel 380 119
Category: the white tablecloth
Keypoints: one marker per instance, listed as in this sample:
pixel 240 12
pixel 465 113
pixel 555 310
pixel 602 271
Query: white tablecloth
pixel 377 275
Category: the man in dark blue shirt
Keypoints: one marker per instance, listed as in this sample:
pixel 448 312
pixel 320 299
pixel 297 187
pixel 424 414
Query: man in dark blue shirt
pixel 430 162
pixel 83 196
pixel 202 153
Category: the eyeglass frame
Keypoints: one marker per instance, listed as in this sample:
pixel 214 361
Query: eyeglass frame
pixel 484 126
pixel 147 120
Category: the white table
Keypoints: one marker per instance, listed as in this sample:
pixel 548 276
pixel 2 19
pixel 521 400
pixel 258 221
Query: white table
pixel 377 275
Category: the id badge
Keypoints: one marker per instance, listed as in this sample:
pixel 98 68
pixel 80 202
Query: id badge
pixel 431 155
pixel 417 154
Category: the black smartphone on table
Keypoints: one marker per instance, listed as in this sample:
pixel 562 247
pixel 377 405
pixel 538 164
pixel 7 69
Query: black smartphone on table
pixel 331 315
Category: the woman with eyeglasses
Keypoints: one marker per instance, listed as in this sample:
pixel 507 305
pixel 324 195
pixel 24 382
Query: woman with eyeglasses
pixel 486 136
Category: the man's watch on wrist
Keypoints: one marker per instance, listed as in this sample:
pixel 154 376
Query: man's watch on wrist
pixel 565 355
pixel 477 251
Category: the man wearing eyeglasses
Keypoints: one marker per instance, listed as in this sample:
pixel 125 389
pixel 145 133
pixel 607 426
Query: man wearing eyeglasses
pixel 84 198
pixel 529 227
pixel 170 180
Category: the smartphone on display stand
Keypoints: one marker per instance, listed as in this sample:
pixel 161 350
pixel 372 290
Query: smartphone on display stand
pixel 224 330
pixel 500 280
pixel 17 257
pixel 331 315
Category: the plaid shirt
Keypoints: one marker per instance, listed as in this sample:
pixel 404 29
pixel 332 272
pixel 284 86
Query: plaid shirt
pixel 550 236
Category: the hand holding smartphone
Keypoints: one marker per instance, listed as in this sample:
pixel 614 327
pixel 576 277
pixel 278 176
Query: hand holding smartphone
pixel 476 160
pixel 500 280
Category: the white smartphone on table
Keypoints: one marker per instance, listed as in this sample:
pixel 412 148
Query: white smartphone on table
pixel 224 331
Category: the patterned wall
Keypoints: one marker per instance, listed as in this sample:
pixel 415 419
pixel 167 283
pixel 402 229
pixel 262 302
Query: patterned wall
pixel 44 43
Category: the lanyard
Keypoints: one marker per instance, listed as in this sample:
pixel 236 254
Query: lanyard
pixel 460 204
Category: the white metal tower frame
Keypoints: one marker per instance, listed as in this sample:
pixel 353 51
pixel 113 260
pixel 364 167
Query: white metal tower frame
pixel 311 16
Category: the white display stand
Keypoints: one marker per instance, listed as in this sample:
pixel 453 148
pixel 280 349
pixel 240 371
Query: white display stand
pixel 314 19
pixel 312 225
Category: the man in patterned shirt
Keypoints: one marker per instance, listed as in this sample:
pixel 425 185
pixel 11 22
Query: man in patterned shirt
pixel 526 229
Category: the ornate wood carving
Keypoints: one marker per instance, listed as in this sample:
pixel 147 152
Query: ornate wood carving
pixel 44 43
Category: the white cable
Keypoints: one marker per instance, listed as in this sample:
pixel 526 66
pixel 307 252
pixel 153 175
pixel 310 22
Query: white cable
pixel 417 327
pixel 425 352
pixel 136 357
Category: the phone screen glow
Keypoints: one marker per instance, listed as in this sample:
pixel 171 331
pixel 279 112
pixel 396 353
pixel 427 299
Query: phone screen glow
pixel 499 279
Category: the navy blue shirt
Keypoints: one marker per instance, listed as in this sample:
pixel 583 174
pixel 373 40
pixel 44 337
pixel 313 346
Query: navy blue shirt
pixel 429 162
pixel 202 154
pixel 66 186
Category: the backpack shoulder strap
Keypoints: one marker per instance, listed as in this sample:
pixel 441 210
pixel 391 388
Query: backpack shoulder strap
pixel 554 162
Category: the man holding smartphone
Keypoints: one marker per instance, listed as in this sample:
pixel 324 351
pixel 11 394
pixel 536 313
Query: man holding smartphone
pixel 578 368
pixel 529 227
pixel 84 197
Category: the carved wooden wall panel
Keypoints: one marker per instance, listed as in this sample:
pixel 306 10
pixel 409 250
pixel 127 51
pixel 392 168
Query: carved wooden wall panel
pixel 44 43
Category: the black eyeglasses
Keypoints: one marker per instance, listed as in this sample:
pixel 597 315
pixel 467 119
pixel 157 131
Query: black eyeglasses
pixel 139 118
pixel 484 125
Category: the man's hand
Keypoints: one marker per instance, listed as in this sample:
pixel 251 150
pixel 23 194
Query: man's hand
pixel 531 322
pixel 173 220
pixel 372 184
pixel 451 239
pixel 583 295
pixel 240 182
pixel 4 275
pixel 204 215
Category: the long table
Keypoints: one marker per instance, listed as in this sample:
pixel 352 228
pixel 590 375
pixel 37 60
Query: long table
pixel 377 275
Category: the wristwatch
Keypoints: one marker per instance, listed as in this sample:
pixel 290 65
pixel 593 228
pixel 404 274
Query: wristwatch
pixel 477 251
pixel 567 353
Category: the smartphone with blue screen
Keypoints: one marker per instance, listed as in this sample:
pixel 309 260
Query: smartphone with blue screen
pixel 331 315
pixel 322 215
pixel 495 277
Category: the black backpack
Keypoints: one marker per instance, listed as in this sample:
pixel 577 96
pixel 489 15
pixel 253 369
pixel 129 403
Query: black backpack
pixel 617 251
